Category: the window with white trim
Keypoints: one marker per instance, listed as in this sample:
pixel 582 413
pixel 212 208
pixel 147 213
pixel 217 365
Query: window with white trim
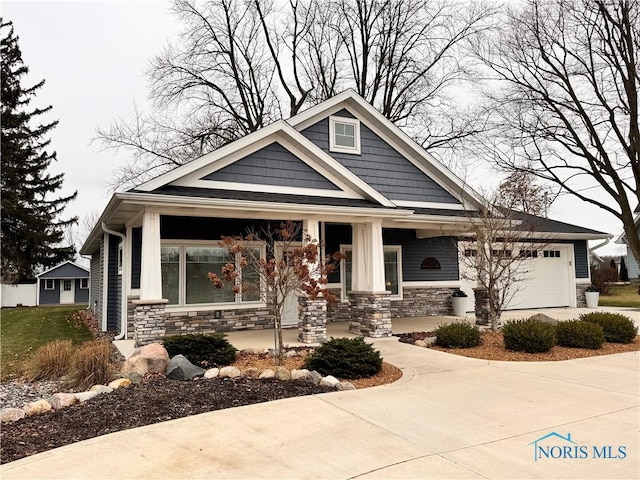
pixel 84 283
pixel 185 281
pixel 344 135
pixel 49 284
pixel 392 270
pixel 120 258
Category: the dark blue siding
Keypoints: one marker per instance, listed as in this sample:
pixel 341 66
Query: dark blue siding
pixel 136 256
pixel 581 257
pixel 66 271
pixel 381 166
pixel 272 165
pixel 81 294
pixel 48 297
pixel 113 289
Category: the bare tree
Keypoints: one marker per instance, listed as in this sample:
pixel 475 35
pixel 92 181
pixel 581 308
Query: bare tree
pixel 497 249
pixel 566 102
pixel 521 192
pixel 293 265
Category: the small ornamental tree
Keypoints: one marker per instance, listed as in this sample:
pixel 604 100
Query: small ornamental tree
pixel 292 265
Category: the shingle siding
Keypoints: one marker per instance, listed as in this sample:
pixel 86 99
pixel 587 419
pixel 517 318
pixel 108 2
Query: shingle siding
pixel 272 165
pixel 381 166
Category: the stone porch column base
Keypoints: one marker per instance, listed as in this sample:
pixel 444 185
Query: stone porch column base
pixel 149 321
pixel 313 320
pixel 370 314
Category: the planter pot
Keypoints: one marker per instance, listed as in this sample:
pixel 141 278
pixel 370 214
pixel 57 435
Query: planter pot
pixel 592 299
pixel 459 306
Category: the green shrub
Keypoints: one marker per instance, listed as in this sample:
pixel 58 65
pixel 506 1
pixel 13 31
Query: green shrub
pixel 579 334
pixel 91 365
pixel 617 328
pixel 50 362
pixel 529 336
pixel 206 350
pixel 345 358
pixel 457 335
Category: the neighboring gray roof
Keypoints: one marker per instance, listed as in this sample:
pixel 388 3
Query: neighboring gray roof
pixel 541 224
pixel 262 197
pixel 67 269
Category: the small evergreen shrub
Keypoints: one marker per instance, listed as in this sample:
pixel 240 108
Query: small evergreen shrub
pixel 91 365
pixel 457 335
pixel 345 358
pixel 617 328
pixel 50 362
pixel 528 336
pixel 579 334
pixel 211 350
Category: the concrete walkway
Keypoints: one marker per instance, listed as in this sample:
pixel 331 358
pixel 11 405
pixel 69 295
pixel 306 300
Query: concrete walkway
pixel 448 417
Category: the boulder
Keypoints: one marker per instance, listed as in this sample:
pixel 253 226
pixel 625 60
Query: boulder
pixel 291 353
pixel 420 343
pixel 329 381
pixel 231 372
pixel 212 373
pixel 251 372
pixel 135 377
pixel 84 396
pixel 101 389
pixel 268 373
pixel 37 407
pixel 62 400
pixel 314 377
pixel 301 374
pixel 180 368
pixel 430 341
pixel 345 386
pixel 282 374
pixel 120 383
pixel 151 358
pixel 542 318
pixel 8 415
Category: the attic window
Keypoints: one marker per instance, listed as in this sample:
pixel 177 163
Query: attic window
pixel 344 135
pixel 430 263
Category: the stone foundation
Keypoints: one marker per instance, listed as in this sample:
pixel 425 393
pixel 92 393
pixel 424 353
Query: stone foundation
pixel 131 315
pixel 229 320
pixel 423 302
pixel 339 311
pixel 149 319
pixel 313 320
pixel 370 314
pixel 581 300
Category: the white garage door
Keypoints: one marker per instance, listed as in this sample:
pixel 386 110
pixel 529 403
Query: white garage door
pixel 549 281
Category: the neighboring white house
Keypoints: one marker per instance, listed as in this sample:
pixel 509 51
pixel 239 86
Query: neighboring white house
pixel 356 183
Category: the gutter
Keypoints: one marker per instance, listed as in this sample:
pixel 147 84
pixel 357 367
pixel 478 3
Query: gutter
pixel 123 307
pixel 601 244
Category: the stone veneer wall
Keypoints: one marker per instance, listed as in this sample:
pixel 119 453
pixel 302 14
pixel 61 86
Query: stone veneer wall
pixel 205 322
pixel 131 315
pixel 581 300
pixel 370 314
pixel 339 311
pixel 313 320
pixel 423 302
pixel 149 321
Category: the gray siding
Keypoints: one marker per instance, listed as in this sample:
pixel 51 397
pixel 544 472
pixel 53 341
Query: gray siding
pixel 66 271
pixel 272 165
pixel 49 297
pixel 114 284
pixel 81 294
pixel 136 256
pixel 381 166
pixel 632 266
pixel 95 292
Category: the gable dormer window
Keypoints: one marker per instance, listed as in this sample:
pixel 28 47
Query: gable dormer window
pixel 344 135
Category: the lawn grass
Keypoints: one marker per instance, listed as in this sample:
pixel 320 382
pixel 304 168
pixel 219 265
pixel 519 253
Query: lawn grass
pixel 23 330
pixel 621 296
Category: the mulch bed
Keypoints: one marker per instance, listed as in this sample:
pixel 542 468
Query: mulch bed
pixel 155 400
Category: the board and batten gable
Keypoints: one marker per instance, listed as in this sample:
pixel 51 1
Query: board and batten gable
pixel 381 166
pixel 272 165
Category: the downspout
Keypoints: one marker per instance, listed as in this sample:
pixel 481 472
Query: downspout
pixel 123 314
pixel 601 244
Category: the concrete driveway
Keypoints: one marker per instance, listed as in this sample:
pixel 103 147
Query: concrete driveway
pixel 448 417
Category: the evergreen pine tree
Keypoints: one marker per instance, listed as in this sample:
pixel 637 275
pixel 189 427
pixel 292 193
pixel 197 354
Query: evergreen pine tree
pixel 32 230
pixel 624 273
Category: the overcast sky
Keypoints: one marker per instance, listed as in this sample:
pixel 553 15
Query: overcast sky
pixel 93 56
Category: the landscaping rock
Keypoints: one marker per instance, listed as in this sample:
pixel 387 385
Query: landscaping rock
pixel 251 372
pixel 212 373
pixel 420 343
pixel 268 373
pixel 282 374
pixel 345 386
pixel 430 341
pixel 120 383
pixel 101 389
pixel 84 396
pixel 62 400
pixel 135 377
pixel 151 358
pixel 314 377
pixel 329 381
pixel 37 407
pixel 231 372
pixel 180 368
pixel 8 415
pixel 301 374
pixel 542 318
pixel 291 353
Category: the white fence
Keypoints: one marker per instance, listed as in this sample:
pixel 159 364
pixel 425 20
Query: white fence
pixel 14 295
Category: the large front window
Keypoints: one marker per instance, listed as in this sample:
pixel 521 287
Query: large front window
pixel 392 270
pixel 185 279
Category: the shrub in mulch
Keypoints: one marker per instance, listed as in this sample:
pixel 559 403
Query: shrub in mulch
pixel 457 335
pixel 617 328
pixel 579 334
pixel 349 358
pixel 212 350
pixel 528 336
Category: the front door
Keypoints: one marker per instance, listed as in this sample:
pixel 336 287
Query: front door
pixel 67 293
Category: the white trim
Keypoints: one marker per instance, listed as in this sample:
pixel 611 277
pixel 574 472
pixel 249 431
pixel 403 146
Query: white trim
pixel 120 258
pixel 53 286
pixel 443 206
pixel 84 280
pixel 205 307
pixel 253 187
pixel 343 271
pixel 432 284
pixel 333 147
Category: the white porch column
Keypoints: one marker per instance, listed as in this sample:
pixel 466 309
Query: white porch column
pixel 150 275
pixel 368 258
